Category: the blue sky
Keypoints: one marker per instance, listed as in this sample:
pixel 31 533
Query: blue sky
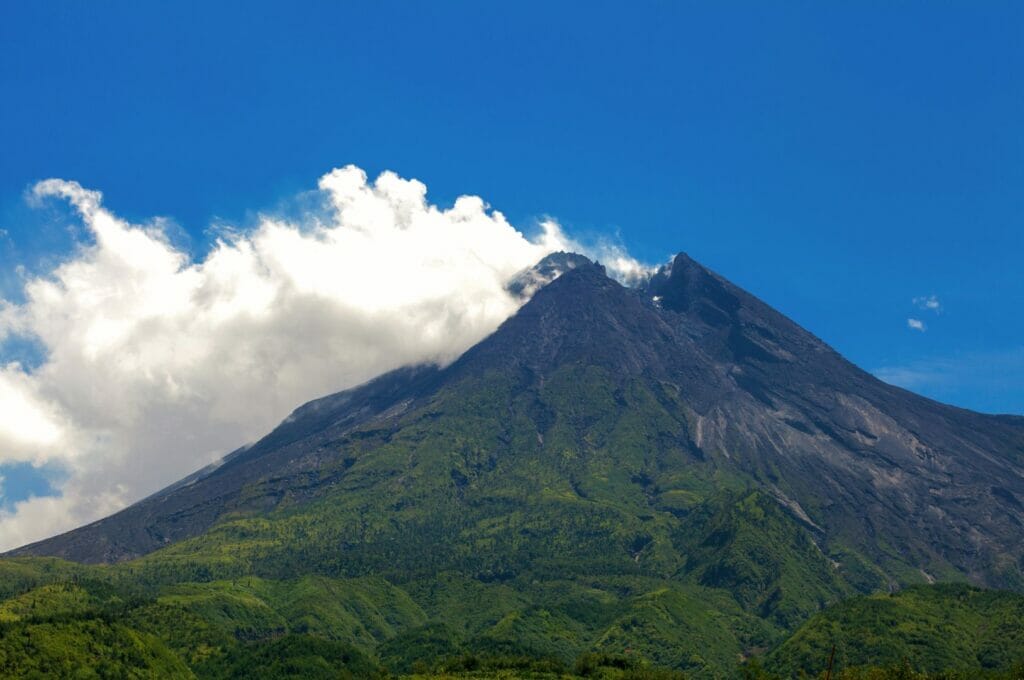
pixel 837 160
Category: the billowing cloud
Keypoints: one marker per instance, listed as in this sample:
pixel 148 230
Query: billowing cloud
pixel 916 325
pixel 155 365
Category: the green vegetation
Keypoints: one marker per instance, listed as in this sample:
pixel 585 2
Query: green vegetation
pixel 771 565
pixel 302 657
pixel 621 627
pixel 933 629
pixel 501 531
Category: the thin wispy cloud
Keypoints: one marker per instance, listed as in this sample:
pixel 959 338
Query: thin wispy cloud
pixel 916 325
pixel 928 303
pixel 155 365
pixel 994 378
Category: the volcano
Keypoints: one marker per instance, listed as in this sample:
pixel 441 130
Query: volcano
pixel 610 458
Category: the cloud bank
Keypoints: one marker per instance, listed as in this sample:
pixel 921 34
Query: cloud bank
pixel 155 365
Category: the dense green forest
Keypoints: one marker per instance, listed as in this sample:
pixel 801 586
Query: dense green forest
pixel 63 620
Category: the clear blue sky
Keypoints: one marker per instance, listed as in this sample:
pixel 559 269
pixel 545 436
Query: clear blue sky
pixel 836 159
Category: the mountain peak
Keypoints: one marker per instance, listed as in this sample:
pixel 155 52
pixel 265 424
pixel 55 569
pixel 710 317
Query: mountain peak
pixel 582 315
pixel 527 282
pixel 687 286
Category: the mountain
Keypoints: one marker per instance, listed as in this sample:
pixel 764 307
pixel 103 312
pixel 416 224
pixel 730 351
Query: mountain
pixel 731 386
pixel 675 471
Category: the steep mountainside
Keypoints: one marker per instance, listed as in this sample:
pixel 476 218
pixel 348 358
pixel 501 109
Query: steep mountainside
pixel 676 471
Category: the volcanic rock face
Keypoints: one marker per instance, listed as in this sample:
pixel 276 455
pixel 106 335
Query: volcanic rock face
pixel 904 478
pixel 601 418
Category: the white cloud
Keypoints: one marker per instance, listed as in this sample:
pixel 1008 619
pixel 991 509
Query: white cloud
pixel 155 365
pixel 41 516
pixel 928 302
pixel 916 324
pixel 31 429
